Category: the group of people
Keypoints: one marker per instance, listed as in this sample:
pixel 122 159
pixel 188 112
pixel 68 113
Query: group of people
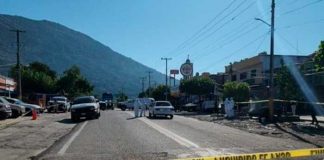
pixel 229 107
pixel 139 108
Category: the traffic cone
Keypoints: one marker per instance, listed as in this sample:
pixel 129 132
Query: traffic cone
pixel 34 114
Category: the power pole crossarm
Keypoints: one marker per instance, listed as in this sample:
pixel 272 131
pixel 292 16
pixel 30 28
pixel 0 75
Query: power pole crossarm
pixel 19 88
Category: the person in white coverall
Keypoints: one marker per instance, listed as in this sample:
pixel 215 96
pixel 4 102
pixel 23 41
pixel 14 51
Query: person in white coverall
pixel 143 109
pixel 231 107
pixel 137 105
pixel 226 105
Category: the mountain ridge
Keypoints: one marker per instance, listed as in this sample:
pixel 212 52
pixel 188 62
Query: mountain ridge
pixel 61 47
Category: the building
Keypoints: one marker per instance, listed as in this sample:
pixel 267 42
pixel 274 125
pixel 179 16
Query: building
pixel 255 70
pixel 7 85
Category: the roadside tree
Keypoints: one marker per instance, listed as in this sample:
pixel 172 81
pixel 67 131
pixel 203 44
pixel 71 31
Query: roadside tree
pixel 240 91
pixel 319 58
pixel 36 78
pixel 159 92
pixel 73 83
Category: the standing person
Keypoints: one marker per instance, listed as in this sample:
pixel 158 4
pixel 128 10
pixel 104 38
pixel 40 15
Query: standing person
pixel 136 107
pixel 313 114
pixel 226 105
pixel 143 108
pixel 231 109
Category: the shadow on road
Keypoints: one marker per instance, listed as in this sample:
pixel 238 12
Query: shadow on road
pixel 69 121
pixel 132 118
pixel 158 118
pixel 297 136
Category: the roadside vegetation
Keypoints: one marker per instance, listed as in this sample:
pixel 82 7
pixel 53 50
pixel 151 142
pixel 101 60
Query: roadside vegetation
pixel 40 78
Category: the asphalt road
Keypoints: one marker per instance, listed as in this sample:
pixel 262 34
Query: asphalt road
pixel 117 135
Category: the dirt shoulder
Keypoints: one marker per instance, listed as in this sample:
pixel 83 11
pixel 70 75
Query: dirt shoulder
pixel 300 131
pixel 28 138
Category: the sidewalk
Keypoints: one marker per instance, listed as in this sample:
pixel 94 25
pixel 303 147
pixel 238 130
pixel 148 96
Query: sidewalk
pixel 27 138
pixel 309 118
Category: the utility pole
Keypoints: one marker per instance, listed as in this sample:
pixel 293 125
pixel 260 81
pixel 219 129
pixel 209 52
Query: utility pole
pixel 271 60
pixel 166 76
pixel 18 61
pixel 143 79
pixel 149 81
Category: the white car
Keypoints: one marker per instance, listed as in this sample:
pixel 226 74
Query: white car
pixel 161 108
pixel 86 106
pixel 61 102
pixel 28 107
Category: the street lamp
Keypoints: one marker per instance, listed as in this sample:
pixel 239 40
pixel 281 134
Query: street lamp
pixel 258 19
pixel 271 57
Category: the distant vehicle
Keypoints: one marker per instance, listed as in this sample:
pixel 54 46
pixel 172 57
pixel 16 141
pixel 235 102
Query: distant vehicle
pixel 17 110
pixel 161 108
pixel 28 107
pixel 86 106
pixel 108 98
pixel 5 109
pixel 122 105
pixel 61 102
pixel 130 104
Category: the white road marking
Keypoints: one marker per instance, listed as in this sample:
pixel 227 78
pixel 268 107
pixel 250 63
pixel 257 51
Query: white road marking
pixel 195 149
pixel 175 137
pixel 69 142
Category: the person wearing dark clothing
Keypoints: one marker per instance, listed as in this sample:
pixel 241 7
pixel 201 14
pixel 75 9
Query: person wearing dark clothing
pixel 313 114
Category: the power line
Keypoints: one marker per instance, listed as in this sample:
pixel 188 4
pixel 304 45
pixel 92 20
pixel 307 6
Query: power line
pixel 301 24
pixel 208 35
pixel 301 7
pixel 236 51
pixel 211 27
pixel 230 41
pixel 206 25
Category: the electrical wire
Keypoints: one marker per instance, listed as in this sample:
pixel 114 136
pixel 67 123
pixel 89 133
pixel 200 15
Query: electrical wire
pixel 236 51
pixel 211 27
pixel 301 7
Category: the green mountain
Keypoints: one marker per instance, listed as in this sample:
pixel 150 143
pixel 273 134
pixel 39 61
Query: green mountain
pixel 61 47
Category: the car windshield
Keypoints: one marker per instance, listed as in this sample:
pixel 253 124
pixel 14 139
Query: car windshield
pixel 58 99
pixel 162 79
pixel 84 100
pixel 3 100
pixel 162 104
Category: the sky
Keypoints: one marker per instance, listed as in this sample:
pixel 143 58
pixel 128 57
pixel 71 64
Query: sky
pixel 212 32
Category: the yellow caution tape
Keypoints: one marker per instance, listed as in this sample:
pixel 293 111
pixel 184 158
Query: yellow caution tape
pixel 267 155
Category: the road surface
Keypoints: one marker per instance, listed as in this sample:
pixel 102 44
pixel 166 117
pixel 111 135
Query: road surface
pixel 117 135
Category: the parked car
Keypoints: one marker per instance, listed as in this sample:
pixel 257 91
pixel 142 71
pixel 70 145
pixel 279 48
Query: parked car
pixel 60 102
pixel 28 107
pixel 86 106
pixel 17 110
pixel 161 108
pixel 122 105
pixel 5 110
pixel 106 105
pixel 130 104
